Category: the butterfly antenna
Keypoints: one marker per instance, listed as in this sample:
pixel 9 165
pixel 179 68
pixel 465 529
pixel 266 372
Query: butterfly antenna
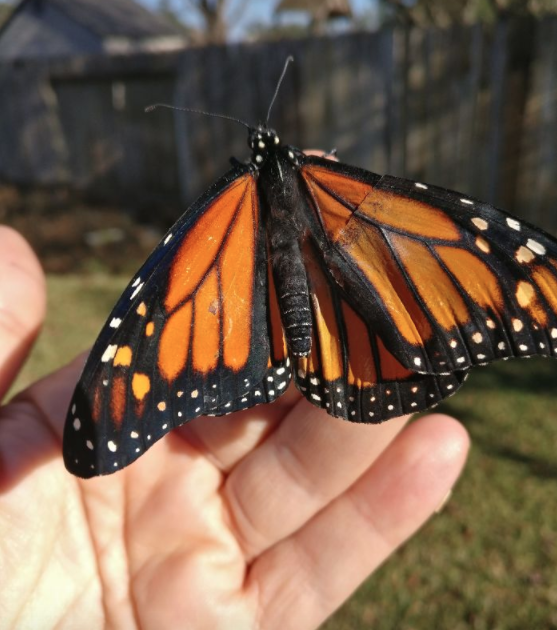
pixel 151 108
pixel 289 60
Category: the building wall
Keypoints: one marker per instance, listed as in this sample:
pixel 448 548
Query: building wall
pixel 46 34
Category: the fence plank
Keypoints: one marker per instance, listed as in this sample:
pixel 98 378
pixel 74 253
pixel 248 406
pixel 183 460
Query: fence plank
pixel 471 108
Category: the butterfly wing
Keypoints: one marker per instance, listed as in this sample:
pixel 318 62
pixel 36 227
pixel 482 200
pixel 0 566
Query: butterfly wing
pixel 349 371
pixel 446 281
pixel 191 335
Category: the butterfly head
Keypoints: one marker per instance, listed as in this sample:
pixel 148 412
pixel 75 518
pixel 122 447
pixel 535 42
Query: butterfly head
pixel 262 141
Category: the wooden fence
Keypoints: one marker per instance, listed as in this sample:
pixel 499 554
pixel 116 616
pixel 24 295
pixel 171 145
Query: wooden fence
pixel 471 108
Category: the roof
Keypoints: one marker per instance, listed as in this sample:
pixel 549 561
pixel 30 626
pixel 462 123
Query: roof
pixel 106 19
pixel 323 9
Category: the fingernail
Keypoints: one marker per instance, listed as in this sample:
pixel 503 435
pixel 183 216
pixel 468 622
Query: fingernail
pixel 444 501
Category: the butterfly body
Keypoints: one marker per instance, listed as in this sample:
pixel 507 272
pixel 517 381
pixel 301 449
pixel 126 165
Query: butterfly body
pixel 373 293
pixel 285 214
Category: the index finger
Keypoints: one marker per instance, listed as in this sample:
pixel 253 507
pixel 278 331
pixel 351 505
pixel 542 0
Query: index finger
pixel 22 303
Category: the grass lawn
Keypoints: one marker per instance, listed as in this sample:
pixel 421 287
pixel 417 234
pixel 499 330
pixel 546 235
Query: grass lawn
pixel 489 559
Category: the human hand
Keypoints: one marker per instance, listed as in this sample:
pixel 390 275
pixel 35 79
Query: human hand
pixel 267 518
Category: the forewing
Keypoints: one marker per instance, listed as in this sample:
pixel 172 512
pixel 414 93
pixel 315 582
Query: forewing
pixel 190 336
pixel 349 371
pixel 447 281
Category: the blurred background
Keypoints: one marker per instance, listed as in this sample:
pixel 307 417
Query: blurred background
pixel 459 93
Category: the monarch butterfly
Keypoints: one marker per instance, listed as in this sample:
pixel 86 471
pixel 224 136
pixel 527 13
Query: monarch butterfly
pixel 375 294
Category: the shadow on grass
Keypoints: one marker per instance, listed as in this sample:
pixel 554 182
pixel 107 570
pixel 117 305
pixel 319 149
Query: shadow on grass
pixel 509 388
pixel 537 375
pixel 536 466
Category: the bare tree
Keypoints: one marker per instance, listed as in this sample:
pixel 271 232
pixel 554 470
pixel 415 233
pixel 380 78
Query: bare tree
pixel 444 12
pixel 215 16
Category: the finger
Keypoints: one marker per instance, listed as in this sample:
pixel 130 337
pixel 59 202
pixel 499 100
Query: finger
pixel 309 460
pixel 228 439
pixel 22 303
pixel 320 566
pixel 31 425
pixel 330 155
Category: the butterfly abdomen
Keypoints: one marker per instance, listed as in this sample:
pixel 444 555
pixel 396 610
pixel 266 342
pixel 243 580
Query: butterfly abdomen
pixel 285 227
pixel 293 299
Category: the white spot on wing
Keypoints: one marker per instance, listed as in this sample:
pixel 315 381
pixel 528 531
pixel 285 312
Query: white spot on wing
pixel 77 424
pixel 536 247
pixel 109 353
pixel 137 290
pixel 420 185
pixel 513 223
pixel 116 321
pixel 167 238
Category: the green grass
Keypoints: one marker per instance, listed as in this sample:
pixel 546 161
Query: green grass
pixel 77 307
pixel 489 559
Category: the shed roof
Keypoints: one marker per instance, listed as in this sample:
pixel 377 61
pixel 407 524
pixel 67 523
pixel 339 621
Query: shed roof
pixel 317 8
pixel 106 19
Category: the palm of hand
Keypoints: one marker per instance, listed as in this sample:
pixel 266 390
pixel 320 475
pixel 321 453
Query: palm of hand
pixel 266 519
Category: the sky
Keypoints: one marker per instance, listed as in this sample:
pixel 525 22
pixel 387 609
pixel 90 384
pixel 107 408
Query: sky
pixel 261 11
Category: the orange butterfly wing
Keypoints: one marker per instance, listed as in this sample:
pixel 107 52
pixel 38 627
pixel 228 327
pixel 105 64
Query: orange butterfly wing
pixel 190 336
pixel 349 371
pixel 447 282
